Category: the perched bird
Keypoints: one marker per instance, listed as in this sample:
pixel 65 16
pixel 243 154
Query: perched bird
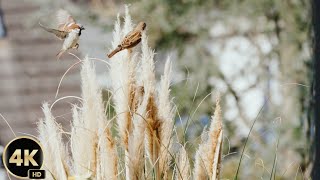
pixel 68 30
pixel 130 40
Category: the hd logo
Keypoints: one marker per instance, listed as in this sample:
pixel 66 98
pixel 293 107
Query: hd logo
pixel 23 158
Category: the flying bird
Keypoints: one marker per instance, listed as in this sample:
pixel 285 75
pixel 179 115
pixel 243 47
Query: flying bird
pixel 68 30
pixel 130 40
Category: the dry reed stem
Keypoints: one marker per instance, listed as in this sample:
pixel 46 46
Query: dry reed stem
pixel 86 123
pixel 78 147
pixel 207 163
pixel 8 125
pixel 153 140
pixel 217 159
pixel 50 137
pixel 182 170
pixel 136 143
pixel 48 158
pixel 123 83
pixel 166 115
pixel 153 135
pixel 108 161
pixel 123 75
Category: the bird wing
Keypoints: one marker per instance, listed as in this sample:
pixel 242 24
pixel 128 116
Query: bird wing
pixel 60 34
pixel 64 19
pixel 132 39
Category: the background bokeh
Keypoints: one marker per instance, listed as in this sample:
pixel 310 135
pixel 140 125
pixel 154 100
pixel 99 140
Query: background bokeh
pixel 257 54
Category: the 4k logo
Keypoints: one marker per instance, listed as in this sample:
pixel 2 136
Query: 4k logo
pixel 21 155
pixel 16 157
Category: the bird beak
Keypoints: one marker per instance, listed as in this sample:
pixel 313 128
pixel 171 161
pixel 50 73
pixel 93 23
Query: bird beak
pixel 82 28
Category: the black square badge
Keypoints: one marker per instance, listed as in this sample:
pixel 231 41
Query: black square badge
pixel 37 174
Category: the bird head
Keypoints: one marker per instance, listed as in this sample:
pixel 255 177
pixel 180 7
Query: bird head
pixel 141 25
pixel 80 27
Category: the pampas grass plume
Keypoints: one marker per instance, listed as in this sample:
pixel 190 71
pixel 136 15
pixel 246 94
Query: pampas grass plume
pixel 207 161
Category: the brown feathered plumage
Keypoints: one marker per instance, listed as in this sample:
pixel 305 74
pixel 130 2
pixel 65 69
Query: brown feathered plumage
pixel 130 40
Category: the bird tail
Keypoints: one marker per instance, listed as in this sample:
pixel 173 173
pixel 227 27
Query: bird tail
pixel 114 52
pixel 60 54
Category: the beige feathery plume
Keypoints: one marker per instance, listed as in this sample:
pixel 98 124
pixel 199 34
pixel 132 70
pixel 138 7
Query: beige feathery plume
pixel 48 157
pixel 160 115
pixel 147 65
pixel 123 83
pixel 84 138
pixel 153 135
pixel 217 159
pixel 50 137
pixel 153 122
pixel 128 26
pixel 116 34
pixel 78 147
pixel 166 115
pixel 182 170
pixel 108 161
pixel 124 86
pixel 207 163
pixel 136 140
pixel 216 133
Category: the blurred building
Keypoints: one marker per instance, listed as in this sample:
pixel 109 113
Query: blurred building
pixel 29 71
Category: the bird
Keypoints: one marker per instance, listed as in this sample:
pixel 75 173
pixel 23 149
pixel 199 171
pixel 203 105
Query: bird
pixel 130 40
pixel 68 30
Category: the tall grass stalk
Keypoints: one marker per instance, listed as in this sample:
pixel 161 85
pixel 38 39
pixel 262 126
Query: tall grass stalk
pixel 182 170
pixel 208 156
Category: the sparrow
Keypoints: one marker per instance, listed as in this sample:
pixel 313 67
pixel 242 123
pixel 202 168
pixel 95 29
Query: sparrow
pixel 130 40
pixel 68 30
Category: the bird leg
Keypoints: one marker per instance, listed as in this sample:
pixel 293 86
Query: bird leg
pixel 76 46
